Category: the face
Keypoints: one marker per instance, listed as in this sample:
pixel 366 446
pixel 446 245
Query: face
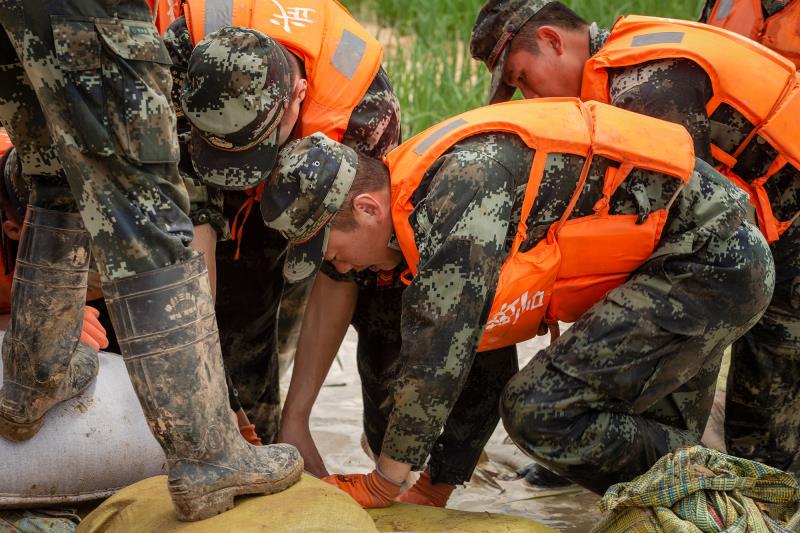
pixel 366 245
pixel 555 70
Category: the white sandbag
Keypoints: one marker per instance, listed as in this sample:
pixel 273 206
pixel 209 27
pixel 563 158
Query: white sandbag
pixel 88 447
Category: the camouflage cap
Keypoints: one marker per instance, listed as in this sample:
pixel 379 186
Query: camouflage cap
pixel 497 23
pixel 310 182
pixel 236 88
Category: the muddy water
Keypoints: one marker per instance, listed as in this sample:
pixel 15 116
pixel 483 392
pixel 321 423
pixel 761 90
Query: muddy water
pixel 336 425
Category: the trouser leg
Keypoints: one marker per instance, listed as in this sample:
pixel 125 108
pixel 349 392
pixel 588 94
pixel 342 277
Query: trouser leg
pixel 634 377
pixel 762 420
pixel 248 295
pixel 474 417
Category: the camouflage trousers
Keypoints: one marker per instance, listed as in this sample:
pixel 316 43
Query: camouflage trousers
pixel 248 298
pixel 634 377
pixel 474 416
pixel 762 414
pixel 85 99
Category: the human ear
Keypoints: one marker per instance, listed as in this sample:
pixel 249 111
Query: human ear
pixel 11 229
pixel 551 37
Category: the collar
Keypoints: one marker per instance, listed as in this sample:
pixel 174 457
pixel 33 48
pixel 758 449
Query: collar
pixel 597 38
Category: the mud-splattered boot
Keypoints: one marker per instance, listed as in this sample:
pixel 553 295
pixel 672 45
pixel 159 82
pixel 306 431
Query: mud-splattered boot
pixel 167 330
pixel 44 362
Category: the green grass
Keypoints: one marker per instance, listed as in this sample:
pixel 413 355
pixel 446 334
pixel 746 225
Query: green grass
pixel 427 48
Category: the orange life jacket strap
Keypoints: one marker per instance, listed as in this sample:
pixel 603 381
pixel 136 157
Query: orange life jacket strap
pixel 240 219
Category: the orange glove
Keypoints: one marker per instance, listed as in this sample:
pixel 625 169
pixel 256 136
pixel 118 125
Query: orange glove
pixel 425 492
pixel 93 333
pixel 369 490
pixel 250 435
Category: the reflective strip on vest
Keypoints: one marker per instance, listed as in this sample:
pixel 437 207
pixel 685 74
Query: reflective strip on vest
pixel 663 37
pixel 581 259
pixel 724 9
pixel 349 54
pixel 218 14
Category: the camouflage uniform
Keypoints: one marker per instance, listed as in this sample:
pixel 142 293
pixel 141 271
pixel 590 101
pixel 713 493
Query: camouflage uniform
pixel 763 398
pixel 248 324
pixel 770 7
pixel 465 217
pixel 70 79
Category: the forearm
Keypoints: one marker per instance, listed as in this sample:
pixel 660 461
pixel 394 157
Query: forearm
pixel 205 241
pixel 328 313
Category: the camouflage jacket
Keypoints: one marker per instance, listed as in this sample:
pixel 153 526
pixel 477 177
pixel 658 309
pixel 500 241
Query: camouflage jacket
pixel 677 90
pixel 465 217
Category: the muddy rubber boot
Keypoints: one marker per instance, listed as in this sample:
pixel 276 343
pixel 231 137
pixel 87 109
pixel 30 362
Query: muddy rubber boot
pixel 167 330
pixel 44 362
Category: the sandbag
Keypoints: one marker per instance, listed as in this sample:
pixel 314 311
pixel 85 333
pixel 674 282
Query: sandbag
pixel 422 519
pixel 88 448
pixel 309 506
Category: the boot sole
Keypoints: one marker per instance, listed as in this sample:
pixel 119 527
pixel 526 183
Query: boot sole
pixel 219 501
pixel 19 431
pixel 22 431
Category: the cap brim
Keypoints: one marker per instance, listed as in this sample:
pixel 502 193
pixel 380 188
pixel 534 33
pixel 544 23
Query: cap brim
pixel 500 92
pixel 233 170
pixel 303 260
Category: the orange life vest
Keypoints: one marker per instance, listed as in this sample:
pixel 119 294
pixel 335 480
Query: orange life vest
pixel 780 32
pixel 581 259
pixel 340 56
pixel 164 13
pixel 758 83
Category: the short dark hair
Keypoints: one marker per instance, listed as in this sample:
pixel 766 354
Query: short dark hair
pixel 553 14
pixel 296 68
pixel 371 176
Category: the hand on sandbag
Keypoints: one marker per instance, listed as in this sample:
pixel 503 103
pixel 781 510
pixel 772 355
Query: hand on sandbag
pixel 369 490
pixel 426 492
pixel 93 333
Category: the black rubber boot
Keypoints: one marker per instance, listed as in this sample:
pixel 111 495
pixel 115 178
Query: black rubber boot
pixel 167 330
pixel 539 476
pixel 44 362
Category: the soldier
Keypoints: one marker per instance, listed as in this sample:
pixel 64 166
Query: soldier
pixel 86 104
pixel 773 23
pixel 515 215
pixel 362 111
pixel 689 73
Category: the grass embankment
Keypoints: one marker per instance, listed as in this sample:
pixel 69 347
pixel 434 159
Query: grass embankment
pixel 427 48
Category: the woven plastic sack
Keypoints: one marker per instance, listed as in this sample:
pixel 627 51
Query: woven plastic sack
pixel 309 506
pixel 87 449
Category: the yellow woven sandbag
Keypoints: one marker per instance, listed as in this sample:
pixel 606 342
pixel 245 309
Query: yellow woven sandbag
pixel 310 506
pixel 421 519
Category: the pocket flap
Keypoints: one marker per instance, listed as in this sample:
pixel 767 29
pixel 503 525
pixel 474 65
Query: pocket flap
pixel 134 40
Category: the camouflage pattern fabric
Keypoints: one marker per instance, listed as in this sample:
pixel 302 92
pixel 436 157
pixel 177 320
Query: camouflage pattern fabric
pixel 763 402
pixel 770 7
pixel 706 245
pixel 246 320
pixel 634 377
pixel 95 73
pixel 474 416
